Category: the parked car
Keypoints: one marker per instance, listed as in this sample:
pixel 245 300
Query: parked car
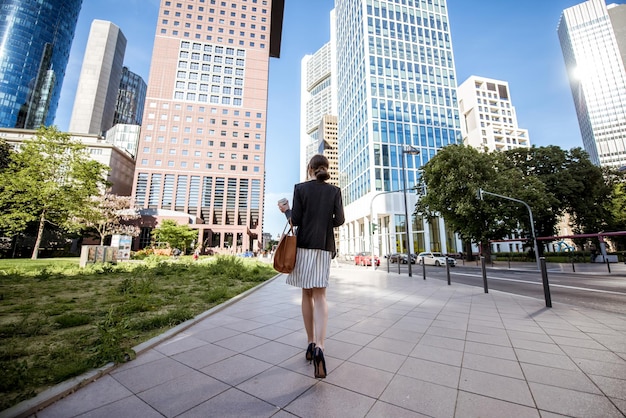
pixel 435 259
pixel 365 259
pixel 401 257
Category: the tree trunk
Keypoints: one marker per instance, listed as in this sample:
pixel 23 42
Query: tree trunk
pixel 42 222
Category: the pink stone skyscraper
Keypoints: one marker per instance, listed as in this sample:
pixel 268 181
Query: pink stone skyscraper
pixel 201 154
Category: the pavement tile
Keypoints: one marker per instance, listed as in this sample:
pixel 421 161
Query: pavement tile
pixel 339 349
pixel 213 334
pixel 489 339
pixel 430 371
pixel 438 354
pixel 550 348
pixel 151 374
pixel 270 332
pixel 591 354
pixel 385 410
pixel 378 359
pixel 323 400
pixel 601 368
pixel 492 365
pixel 236 369
pixel 241 342
pixel 496 386
pixel 392 346
pixel 203 356
pixel 614 388
pixel 277 386
pixel 506 353
pixel 273 352
pixel 127 407
pixel 572 403
pixel 471 405
pixel 232 403
pixel 560 361
pixel 178 395
pixel 443 342
pixel 178 344
pixel 354 337
pixel 420 396
pixel 566 379
pixel 370 382
pixel 103 391
pixel 398 334
pixel 459 334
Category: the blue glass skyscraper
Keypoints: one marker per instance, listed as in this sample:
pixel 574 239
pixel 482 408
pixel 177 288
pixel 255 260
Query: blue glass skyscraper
pixel 35 42
pixel 396 87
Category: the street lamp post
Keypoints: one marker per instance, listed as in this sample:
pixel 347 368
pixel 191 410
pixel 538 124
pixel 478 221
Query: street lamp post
pixel 530 213
pixel 407 149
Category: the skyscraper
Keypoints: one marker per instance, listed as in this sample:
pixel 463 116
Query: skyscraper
pixel 593 41
pixel 99 82
pixel 489 118
pixel 35 38
pixel 396 86
pixel 130 99
pixel 316 100
pixel 202 143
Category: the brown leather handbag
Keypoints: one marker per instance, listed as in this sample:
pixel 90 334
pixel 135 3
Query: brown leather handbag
pixel 285 254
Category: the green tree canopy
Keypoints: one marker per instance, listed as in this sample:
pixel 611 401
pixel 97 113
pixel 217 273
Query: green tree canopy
pixel 174 234
pixel 5 154
pixel 49 179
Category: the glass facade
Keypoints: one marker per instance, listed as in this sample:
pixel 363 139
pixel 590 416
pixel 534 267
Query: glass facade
pixel 35 42
pixel 130 99
pixel 396 87
pixel 590 37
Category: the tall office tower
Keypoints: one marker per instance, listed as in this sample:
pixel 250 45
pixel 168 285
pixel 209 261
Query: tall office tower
pixel 124 136
pixel 316 100
pixel 131 97
pixel 99 82
pixel 593 41
pixel 202 145
pixel 489 119
pixel 396 87
pixel 35 42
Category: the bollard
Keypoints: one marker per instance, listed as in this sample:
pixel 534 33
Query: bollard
pixel 448 271
pixel 573 266
pixel 484 268
pixel 424 269
pixel 608 266
pixel 509 262
pixel 546 286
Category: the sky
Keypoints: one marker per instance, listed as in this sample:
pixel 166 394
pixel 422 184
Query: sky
pixel 509 40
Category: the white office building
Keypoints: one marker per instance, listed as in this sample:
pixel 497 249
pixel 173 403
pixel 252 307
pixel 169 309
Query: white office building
pixel 99 81
pixel 593 41
pixel 488 115
pixel 316 101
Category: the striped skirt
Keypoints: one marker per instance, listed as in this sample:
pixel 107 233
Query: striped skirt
pixel 312 269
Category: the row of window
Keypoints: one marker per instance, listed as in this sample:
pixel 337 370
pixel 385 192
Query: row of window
pixel 201 109
pixel 196 164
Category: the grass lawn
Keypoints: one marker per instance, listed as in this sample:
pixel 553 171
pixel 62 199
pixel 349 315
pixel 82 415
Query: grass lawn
pixel 58 320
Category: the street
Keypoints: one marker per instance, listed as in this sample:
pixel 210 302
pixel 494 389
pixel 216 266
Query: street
pixel 591 286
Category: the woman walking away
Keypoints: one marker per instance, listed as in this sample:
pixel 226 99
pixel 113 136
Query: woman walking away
pixel 317 209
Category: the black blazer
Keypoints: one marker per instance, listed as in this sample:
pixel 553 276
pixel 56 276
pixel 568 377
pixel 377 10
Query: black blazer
pixel 317 209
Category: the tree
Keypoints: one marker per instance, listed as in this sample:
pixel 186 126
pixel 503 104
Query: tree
pixel 106 214
pixel 49 180
pixel 452 179
pixel 5 154
pixel 572 183
pixel 175 235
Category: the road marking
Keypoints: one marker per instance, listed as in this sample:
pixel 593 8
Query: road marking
pixel 540 283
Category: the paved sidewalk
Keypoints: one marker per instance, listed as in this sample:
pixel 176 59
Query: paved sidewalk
pixel 396 347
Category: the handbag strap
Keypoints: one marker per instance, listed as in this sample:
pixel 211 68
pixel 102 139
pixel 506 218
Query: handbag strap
pixel 290 225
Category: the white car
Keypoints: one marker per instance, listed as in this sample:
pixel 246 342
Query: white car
pixel 435 259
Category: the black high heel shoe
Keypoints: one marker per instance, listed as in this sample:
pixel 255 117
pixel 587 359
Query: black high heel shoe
pixel 319 364
pixel 310 351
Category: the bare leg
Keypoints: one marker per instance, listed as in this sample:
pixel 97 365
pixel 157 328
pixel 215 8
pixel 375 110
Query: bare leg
pixel 321 315
pixel 307 313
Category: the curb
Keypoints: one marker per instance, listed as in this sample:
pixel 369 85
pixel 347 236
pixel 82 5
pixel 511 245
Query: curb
pixel 30 407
